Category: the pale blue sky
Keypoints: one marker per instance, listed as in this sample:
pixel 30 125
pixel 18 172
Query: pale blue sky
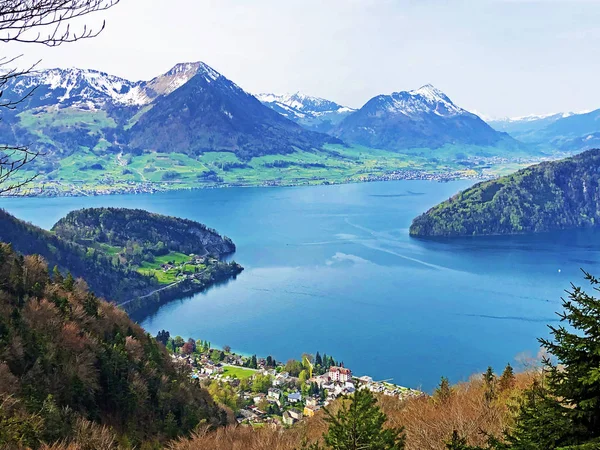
pixel 496 57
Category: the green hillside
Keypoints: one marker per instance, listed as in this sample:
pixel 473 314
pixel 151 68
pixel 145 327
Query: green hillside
pixel 549 196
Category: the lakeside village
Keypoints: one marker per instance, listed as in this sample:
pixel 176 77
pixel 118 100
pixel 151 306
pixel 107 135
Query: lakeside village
pixel 52 188
pixel 262 391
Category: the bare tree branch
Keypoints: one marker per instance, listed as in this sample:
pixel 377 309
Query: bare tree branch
pixel 46 22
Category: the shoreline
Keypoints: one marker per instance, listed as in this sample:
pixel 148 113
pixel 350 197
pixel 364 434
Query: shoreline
pixel 159 187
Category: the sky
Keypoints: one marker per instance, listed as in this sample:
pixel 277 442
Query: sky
pixel 499 58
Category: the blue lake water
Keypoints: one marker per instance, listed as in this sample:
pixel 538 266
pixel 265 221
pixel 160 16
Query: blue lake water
pixel 332 268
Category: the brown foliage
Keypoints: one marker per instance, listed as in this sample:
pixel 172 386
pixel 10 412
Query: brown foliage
pixel 428 423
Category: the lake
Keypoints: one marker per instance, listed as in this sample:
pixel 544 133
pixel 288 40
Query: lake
pixel 332 269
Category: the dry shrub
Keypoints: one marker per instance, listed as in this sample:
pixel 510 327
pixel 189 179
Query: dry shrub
pixel 241 438
pixel 88 436
pixel 428 423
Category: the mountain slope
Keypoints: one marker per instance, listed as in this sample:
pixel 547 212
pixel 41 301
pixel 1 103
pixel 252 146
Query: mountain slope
pixel 90 89
pixel 424 118
pixel 211 113
pixel 548 196
pixel 190 109
pixel 106 246
pixel 71 363
pixel 120 227
pixel 314 113
pixel 563 131
pixel 106 279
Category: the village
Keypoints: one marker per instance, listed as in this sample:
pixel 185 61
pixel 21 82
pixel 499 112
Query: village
pixel 269 394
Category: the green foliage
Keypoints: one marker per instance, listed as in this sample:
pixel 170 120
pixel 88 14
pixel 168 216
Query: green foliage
pixel 360 426
pixel 459 443
pixel 65 358
pixel 549 196
pixel 490 382
pixel 443 392
pixel 507 379
pixel 565 412
pixel 261 383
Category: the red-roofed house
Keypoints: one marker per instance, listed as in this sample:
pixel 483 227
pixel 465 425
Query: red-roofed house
pixel 340 374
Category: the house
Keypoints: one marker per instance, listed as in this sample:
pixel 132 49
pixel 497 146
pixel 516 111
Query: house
pixel 341 374
pixel 294 397
pixel 288 419
pixel 311 401
pixel 320 380
pixel 310 411
pixel 258 397
pixel 295 414
pixel 273 394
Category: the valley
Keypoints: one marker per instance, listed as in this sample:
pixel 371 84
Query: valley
pixel 193 128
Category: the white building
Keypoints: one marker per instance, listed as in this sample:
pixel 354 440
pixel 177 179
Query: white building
pixel 340 374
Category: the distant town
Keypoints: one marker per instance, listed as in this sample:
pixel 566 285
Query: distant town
pixel 263 391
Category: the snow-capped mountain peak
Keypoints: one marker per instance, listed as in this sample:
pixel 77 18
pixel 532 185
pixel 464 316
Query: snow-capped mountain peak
pixel 302 105
pixel 93 89
pixel 77 85
pixel 425 100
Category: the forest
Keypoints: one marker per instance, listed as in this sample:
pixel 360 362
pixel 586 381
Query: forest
pixel 121 253
pixel 549 196
pixel 73 365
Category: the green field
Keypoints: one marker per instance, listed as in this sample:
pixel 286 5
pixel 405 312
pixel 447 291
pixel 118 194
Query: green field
pixel 240 373
pixel 97 171
pixel 170 276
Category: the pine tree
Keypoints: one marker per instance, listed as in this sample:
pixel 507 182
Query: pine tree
pixel 566 412
pixel 443 392
pixel 318 360
pixel 507 379
pixel 489 380
pixel 459 443
pixel 69 282
pixel 57 276
pixel 360 426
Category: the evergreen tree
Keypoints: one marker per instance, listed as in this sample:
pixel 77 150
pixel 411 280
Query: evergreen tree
pixel 459 443
pixel 507 379
pixel 318 360
pixel 443 392
pixel 360 426
pixel 567 411
pixel 57 276
pixel 69 282
pixel 163 337
pixel 490 385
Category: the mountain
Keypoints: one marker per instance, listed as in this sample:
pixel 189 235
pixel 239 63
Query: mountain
pixel 562 131
pixel 548 196
pixel 314 113
pixel 190 109
pixel 76 369
pixel 211 113
pixel 92 89
pixel 524 128
pixel 423 118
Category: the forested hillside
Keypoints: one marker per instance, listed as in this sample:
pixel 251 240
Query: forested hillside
pixel 128 256
pixel 155 232
pixel 548 196
pixel 106 277
pixel 74 367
